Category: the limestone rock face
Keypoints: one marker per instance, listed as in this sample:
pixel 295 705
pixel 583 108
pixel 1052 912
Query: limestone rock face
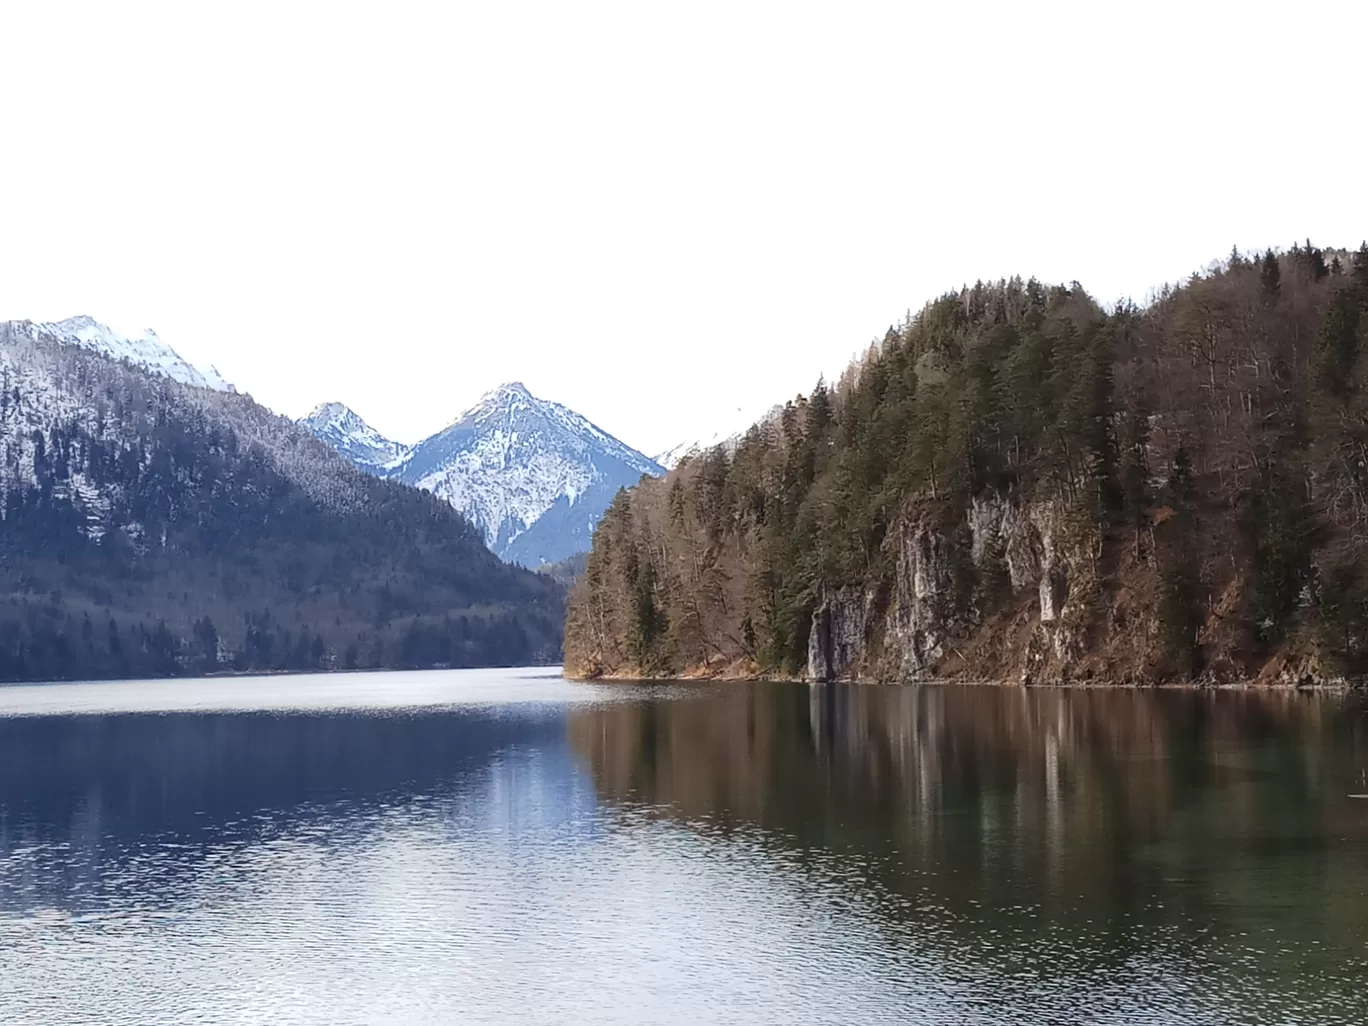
pixel 1054 592
pixel 920 619
pixel 1000 530
pixel 1031 541
pixel 837 638
pixel 819 646
pixel 1027 540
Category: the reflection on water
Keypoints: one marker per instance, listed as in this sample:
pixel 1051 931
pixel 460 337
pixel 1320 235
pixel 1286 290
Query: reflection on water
pixel 1066 845
pixel 478 847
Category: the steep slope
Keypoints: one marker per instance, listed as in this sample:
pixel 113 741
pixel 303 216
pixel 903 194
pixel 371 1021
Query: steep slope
pixel 146 351
pixel 1018 484
pixel 343 430
pixel 532 475
pixel 156 528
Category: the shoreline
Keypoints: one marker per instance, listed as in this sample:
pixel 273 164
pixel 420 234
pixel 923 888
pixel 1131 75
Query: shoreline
pixel 236 674
pixel 697 675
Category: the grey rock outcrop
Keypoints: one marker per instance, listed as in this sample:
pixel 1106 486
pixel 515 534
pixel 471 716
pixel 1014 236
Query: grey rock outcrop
pixel 1002 529
pixel 923 618
pixel 837 638
pixel 920 621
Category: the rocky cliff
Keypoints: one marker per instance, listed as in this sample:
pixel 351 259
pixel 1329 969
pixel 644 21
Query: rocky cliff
pixel 927 627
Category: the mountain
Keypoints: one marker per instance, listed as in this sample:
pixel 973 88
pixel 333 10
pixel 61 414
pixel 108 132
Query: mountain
pixel 1021 484
pixel 340 427
pixel 533 476
pixel 150 527
pixel 145 350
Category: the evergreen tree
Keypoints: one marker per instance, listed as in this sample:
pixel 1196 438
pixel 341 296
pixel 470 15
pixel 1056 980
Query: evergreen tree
pixel 1270 276
pixel 1181 609
pixel 1339 341
pixel 1134 464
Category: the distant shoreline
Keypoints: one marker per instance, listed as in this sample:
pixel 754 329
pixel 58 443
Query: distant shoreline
pixel 229 674
pixel 1336 686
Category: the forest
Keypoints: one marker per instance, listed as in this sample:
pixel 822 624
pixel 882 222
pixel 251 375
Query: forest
pixel 1018 483
pixel 154 529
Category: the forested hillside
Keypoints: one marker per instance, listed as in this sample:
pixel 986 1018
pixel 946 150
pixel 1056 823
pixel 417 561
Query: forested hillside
pixel 155 528
pixel 1019 484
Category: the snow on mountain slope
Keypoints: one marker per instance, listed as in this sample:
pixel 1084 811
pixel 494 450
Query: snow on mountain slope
pixel 341 427
pixel 672 457
pixel 32 401
pixel 532 475
pixel 512 459
pixel 52 386
pixel 146 351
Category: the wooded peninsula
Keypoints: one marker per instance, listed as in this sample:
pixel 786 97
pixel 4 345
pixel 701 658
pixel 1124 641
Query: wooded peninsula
pixel 1020 484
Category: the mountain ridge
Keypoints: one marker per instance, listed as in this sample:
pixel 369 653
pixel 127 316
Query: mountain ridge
pixel 147 351
pixel 532 474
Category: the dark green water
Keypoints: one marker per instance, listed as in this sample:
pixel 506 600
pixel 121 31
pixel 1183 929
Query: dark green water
pixel 506 847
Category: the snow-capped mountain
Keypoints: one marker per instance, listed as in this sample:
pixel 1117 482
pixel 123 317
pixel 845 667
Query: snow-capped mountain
pixel 146 351
pixel 341 427
pixel 532 475
pixel 157 507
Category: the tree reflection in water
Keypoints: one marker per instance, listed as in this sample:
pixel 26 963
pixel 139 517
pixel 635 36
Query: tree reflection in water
pixel 1009 823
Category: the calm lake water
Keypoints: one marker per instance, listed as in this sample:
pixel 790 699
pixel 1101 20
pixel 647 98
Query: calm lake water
pixel 506 847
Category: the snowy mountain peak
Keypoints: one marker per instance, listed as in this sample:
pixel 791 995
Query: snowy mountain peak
pixel 342 428
pixel 80 323
pixel 145 350
pixel 507 400
pixel 531 474
pixel 334 415
pixel 522 415
pixel 509 391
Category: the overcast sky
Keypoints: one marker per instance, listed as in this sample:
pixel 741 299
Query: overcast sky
pixel 658 214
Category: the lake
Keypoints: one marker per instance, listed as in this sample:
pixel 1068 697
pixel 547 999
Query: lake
pixel 503 846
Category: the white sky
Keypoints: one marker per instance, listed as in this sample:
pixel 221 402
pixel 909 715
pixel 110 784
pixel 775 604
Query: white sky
pixel 658 214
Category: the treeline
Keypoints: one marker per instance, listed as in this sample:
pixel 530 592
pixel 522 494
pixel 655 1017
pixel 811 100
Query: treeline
pixel 152 529
pixel 42 640
pixel 1018 479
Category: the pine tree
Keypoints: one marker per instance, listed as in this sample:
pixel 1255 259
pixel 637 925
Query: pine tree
pixel 1339 341
pixel 1316 261
pixel 1134 464
pixel 1361 266
pixel 1270 277
pixel 1180 605
pixel 207 642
